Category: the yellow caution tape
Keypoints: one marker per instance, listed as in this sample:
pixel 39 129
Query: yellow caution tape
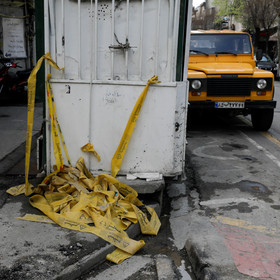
pixel 36 218
pixel 17 190
pixel 118 256
pixel 147 227
pixel 107 232
pixel 89 148
pixel 30 114
pixel 82 168
pixel 120 152
pixel 122 188
pixel 56 126
pixel 55 138
pixel 74 199
pixel 103 201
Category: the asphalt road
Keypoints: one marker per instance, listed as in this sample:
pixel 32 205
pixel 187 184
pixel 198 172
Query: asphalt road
pixel 233 231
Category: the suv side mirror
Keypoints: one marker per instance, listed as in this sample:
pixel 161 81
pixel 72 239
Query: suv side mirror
pixel 259 54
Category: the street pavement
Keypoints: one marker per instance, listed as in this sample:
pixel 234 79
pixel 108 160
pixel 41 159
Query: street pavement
pixel 232 224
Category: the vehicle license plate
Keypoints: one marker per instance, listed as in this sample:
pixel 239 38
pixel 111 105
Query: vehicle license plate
pixel 229 104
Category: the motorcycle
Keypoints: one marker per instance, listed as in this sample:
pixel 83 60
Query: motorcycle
pixel 13 86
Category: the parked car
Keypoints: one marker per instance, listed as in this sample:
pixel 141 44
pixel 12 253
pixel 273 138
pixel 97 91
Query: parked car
pixel 266 63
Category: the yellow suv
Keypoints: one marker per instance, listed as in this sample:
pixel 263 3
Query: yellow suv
pixel 223 76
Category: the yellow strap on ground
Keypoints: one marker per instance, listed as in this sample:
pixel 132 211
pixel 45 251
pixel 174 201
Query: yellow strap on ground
pixel 105 202
pixel 118 256
pixel 36 218
pixel 122 188
pixel 17 190
pixel 89 148
pixel 148 226
pixel 30 114
pixel 56 119
pixel 120 152
pixel 82 168
pixel 108 233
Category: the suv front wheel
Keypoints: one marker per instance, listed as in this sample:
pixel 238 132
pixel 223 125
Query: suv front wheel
pixel 262 118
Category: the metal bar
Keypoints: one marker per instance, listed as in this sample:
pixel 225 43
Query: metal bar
pixel 157 39
pixel 127 33
pixel 40 48
pixel 79 39
pixel 175 39
pixel 95 40
pixel 141 41
pixel 181 40
pixel 187 47
pixel 170 38
pixel 91 40
pixel 115 82
pixel 52 29
pixel 63 34
pixel 112 39
pixel 91 87
pixel 47 70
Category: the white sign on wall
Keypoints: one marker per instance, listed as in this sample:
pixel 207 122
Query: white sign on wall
pixel 13 37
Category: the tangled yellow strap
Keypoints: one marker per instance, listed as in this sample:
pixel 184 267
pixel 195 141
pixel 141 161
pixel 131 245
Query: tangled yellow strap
pixel 74 199
pixel 107 232
pixel 120 152
pixel 89 148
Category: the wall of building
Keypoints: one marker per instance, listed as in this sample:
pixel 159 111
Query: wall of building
pixel 16 32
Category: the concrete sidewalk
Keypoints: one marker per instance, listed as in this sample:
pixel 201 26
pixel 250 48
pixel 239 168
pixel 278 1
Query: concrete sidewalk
pixel 32 250
pixel 13 125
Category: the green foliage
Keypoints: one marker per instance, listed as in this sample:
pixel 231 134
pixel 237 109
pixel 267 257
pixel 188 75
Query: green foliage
pixel 230 8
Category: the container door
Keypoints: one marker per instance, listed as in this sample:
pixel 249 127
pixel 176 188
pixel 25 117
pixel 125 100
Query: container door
pixel 109 50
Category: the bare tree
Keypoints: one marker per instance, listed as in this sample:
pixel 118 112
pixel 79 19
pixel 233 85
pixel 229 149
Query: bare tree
pixel 259 14
pixel 276 4
pixel 205 22
pixel 255 15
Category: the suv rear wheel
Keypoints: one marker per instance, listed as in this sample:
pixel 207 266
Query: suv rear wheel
pixel 262 118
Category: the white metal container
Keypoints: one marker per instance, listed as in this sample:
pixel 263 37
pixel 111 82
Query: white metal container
pixel 109 50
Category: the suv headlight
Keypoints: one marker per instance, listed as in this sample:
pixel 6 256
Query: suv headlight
pixel 196 84
pixel 261 83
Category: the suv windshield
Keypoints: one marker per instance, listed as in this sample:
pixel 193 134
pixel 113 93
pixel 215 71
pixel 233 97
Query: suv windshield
pixel 220 44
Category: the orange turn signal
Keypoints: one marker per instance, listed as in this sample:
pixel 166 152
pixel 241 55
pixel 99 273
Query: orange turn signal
pixel 195 93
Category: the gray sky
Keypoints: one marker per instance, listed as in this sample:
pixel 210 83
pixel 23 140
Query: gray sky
pixel 196 3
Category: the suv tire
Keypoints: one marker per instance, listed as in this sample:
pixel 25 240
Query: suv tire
pixel 262 118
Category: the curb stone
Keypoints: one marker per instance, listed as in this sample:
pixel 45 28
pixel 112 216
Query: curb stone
pixel 88 262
